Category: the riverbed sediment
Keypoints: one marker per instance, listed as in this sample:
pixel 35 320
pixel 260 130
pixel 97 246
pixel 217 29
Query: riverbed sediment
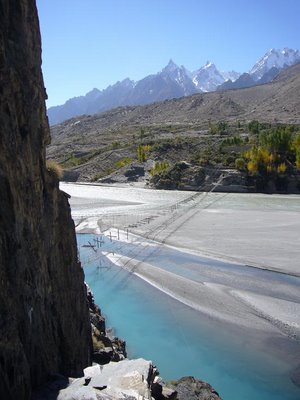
pixel 171 240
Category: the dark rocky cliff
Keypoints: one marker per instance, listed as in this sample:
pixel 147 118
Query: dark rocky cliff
pixel 44 321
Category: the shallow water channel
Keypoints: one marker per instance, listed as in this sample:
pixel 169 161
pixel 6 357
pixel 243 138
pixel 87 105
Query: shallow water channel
pixel 180 340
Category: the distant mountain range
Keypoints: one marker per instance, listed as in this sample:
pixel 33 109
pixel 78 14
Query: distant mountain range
pixel 92 145
pixel 174 81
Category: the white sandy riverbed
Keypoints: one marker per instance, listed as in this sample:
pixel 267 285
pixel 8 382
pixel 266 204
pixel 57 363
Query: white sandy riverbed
pixel 259 230
pixel 256 229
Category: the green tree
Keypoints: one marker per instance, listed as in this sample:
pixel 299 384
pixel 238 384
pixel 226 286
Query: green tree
pixel 222 127
pixel 159 167
pixel 141 156
pixel 296 149
pixel 278 141
pixel 142 134
pixel 253 126
pixel 240 164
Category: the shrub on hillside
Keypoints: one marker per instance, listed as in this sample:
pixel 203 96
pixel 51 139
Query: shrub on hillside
pixel 123 162
pixel 54 168
pixel 240 164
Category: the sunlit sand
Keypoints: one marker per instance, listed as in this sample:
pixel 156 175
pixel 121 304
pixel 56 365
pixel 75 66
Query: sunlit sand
pixel 252 234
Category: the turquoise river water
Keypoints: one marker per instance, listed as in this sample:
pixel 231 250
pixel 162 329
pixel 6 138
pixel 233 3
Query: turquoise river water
pixel 178 339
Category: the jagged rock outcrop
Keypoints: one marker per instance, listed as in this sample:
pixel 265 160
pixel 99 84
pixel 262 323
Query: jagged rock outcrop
pixel 106 347
pixel 184 176
pixel 189 388
pixel 134 172
pixel 45 325
pixel 128 379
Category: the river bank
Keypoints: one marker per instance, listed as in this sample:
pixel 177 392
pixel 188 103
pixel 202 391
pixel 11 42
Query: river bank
pixel 253 360
pixel 260 307
pixel 254 229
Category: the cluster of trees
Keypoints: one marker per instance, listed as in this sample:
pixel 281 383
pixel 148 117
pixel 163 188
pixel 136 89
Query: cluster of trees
pixel 142 152
pixel 159 167
pixel 276 151
pixel 220 128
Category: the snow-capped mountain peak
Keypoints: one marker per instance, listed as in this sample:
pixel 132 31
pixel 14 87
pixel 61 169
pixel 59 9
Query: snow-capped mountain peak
pixel 230 75
pixel 170 67
pixel 207 78
pixel 274 58
pixel 174 81
pixel 209 65
pixel 180 76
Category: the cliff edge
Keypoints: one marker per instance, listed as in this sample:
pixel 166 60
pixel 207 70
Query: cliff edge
pixel 44 324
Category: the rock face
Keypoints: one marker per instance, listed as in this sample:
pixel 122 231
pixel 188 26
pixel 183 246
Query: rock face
pixel 45 324
pixel 184 176
pixel 189 388
pixel 127 379
pixel 134 172
pixel 106 347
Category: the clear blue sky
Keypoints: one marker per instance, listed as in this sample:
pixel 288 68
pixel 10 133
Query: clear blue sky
pixel 94 43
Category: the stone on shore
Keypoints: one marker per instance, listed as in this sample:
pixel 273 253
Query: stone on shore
pixel 189 388
pixel 127 379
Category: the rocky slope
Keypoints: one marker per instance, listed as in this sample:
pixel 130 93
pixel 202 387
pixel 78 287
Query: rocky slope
pixel 173 81
pixel 90 147
pixel 274 58
pixel 275 101
pixel 45 325
pixel 127 380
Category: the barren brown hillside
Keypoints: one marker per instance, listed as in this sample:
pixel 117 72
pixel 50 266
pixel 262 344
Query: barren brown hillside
pixel 91 145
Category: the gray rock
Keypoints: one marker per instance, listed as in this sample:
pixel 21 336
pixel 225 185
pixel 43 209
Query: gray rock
pixel 160 391
pixel 183 176
pixel 127 379
pixel 50 390
pixel 45 325
pixel 189 388
pixel 130 173
pixel 103 356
